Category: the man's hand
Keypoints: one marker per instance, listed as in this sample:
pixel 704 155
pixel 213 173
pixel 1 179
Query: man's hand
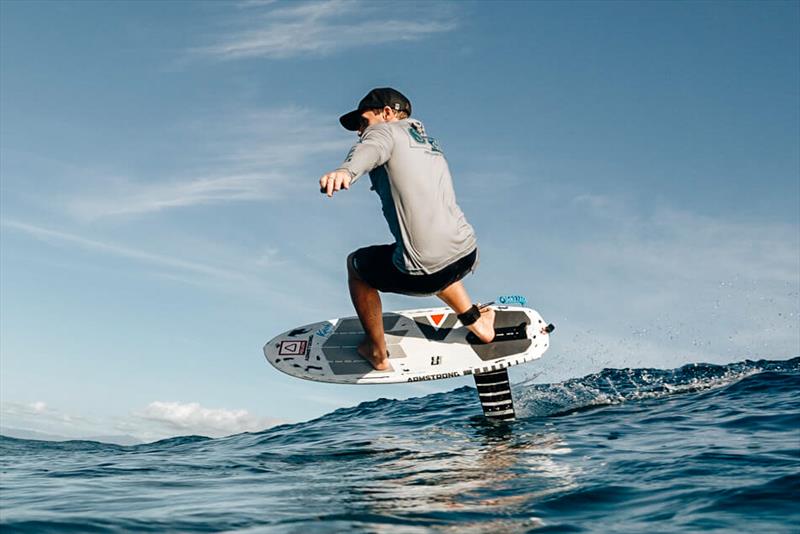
pixel 334 181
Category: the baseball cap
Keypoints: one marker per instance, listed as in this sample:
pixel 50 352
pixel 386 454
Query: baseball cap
pixel 377 98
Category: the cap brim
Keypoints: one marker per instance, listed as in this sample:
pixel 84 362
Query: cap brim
pixel 351 121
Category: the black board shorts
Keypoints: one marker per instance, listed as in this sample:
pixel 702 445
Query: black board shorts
pixel 374 265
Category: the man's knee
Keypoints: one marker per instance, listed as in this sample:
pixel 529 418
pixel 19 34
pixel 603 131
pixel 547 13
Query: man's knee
pixel 351 266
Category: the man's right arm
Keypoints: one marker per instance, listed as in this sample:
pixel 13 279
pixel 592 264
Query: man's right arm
pixel 334 181
pixel 372 151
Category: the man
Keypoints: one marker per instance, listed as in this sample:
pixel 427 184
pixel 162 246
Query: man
pixel 434 245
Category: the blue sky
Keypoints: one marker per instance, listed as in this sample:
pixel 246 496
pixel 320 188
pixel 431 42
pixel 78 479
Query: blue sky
pixel 632 168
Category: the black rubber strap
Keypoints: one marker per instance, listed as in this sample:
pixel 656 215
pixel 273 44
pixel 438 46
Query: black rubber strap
pixel 470 316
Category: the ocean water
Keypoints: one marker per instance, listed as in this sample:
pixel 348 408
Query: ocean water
pixel 701 448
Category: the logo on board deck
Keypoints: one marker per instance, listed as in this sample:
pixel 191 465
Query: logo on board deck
pixel 433 377
pixel 436 360
pixel 436 326
pixel 512 299
pixel 297 332
pixel 292 348
pixel 437 319
pixel 325 330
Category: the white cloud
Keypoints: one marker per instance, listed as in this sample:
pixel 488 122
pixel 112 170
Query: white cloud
pixel 276 138
pixel 680 246
pixel 38 407
pixel 284 30
pixel 26 408
pixel 128 198
pixel 628 285
pixel 600 205
pixel 50 235
pixel 175 418
pixel 270 272
pixel 256 155
pixel 673 287
pixel 39 417
pixel 158 420
pixel 270 258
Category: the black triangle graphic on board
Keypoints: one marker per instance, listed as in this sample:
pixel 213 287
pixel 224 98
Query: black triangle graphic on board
pixel 432 333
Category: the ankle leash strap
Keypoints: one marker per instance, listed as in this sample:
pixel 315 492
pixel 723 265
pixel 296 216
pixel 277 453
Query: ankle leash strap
pixel 470 316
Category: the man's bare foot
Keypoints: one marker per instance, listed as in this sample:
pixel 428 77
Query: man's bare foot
pixel 378 361
pixel 484 326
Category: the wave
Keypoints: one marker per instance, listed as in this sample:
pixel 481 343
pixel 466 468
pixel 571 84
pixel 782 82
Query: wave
pixel 614 386
pixel 606 388
pixel 625 450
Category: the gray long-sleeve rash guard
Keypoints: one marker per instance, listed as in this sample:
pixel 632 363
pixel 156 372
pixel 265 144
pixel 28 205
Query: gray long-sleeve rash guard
pixel 410 174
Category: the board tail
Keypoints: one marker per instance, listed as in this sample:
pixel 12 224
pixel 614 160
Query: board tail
pixel 494 391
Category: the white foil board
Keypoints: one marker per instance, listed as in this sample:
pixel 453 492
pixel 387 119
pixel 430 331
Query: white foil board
pixel 424 344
